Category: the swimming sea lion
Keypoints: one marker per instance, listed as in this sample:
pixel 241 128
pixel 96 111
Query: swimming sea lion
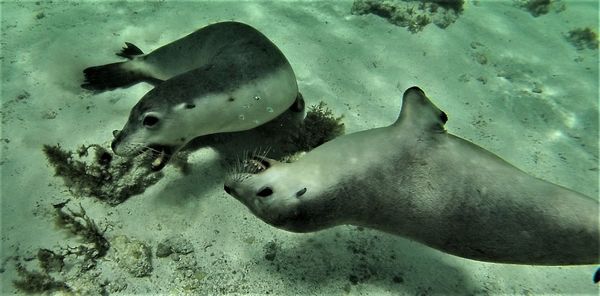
pixel 414 179
pixel 225 77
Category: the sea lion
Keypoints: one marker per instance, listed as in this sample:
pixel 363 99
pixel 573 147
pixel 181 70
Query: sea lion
pixel 414 179
pixel 225 77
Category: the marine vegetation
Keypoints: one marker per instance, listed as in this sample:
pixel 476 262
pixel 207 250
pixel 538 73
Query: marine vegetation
pixel 537 7
pixel 582 38
pixel 457 5
pixel 413 15
pixel 540 7
pixel 50 261
pixel 319 126
pixel 79 224
pixel 95 247
pixel 37 282
pixel 105 177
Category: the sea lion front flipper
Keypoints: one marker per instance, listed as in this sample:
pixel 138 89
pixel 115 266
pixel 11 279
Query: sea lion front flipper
pixel 130 51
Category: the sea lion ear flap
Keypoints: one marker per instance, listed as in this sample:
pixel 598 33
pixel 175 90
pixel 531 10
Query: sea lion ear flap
pixel 420 113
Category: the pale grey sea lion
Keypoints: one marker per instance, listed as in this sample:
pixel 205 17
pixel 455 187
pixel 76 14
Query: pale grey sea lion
pixel 225 77
pixel 414 179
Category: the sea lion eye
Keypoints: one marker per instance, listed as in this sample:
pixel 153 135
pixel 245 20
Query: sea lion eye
pixel 265 192
pixel 150 121
pixel 443 117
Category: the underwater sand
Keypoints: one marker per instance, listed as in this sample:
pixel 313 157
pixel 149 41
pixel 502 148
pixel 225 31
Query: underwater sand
pixel 534 103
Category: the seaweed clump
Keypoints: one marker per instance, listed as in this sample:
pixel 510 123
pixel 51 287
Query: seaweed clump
pixel 540 7
pixel 537 7
pixel 78 223
pixel 50 261
pixel 37 282
pixel 456 5
pixel 95 247
pixel 582 38
pixel 413 15
pixel 109 179
pixel 319 126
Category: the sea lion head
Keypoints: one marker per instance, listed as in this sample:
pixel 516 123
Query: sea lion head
pixel 156 126
pixel 171 115
pixel 276 195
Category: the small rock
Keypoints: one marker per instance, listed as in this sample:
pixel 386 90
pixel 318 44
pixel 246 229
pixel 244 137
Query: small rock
pixel 480 58
pixel 270 250
pixel 116 286
pixel 163 250
pixel 24 96
pixel 175 257
pixel 50 114
pixel 537 89
pixel 132 255
pixel 175 244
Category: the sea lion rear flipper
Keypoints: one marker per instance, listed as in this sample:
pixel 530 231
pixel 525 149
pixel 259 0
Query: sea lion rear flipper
pixel 110 76
pixel 116 75
pixel 420 113
pixel 130 51
pixel 298 105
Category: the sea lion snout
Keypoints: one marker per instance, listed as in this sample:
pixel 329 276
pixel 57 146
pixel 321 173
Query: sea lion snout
pixel 228 189
pixel 118 136
pixel 113 146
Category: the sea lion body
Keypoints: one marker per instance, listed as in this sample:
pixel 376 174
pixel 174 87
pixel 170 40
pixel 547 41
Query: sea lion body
pixel 415 180
pixel 225 77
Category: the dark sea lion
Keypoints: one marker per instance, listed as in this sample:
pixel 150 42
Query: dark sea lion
pixel 225 77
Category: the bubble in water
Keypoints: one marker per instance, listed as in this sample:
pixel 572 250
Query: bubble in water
pixel 269 109
pixel 242 117
pixel 256 98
